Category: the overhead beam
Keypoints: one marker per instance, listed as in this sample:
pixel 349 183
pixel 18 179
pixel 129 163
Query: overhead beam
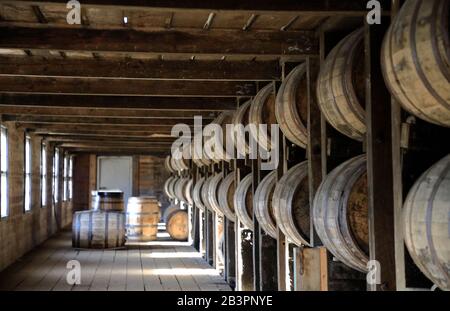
pixel 46 85
pixel 101 130
pixel 100 112
pixel 97 121
pixel 348 7
pixel 109 138
pixel 98 146
pixel 141 69
pixel 191 42
pixel 118 152
pixel 118 135
pixel 120 102
pixel 118 144
pixel 106 134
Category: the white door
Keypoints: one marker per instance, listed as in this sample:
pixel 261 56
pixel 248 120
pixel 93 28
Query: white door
pixel 115 173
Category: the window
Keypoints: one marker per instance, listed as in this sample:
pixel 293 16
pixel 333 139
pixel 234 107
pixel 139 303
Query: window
pixel 27 172
pixel 65 177
pixel 68 165
pixel 56 175
pixel 70 177
pixel 4 172
pixel 43 175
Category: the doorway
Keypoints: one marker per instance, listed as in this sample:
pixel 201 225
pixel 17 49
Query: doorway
pixel 115 173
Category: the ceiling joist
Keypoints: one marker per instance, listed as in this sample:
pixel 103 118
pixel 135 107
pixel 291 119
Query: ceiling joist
pixel 120 102
pixel 141 69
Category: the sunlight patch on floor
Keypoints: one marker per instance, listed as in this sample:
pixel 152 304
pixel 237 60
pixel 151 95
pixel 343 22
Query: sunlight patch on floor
pixel 184 271
pixel 173 255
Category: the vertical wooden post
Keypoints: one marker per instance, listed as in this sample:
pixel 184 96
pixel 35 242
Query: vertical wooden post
pixel 323 121
pixel 229 241
pixel 256 229
pixel 396 124
pixel 196 211
pixel 230 258
pixel 209 232
pixel 244 242
pixel 282 244
pixel 379 160
pixel 264 246
pixel 204 239
pixel 314 148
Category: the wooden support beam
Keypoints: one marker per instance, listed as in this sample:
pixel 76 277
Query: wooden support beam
pixel 229 239
pixel 120 102
pixel 282 243
pixel 99 112
pixel 46 85
pixel 244 240
pixel 314 147
pixel 112 148
pixel 106 134
pixel 257 265
pixel 313 267
pixel 140 69
pixel 97 121
pixel 86 127
pixel 114 144
pixel 118 152
pixel 39 15
pixel 191 42
pixel 110 139
pixel 379 161
pixel 316 7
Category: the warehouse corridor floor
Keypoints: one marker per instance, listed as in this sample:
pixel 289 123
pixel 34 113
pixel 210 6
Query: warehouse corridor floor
pixel 158 265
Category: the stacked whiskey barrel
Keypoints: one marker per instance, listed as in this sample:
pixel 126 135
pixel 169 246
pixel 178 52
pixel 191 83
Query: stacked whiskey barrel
pixel 104 225
pixel 341 213
pixel 142 217
pixel 107 225
pixel 426 223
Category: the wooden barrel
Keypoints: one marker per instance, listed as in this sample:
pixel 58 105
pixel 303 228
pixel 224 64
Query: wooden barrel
pixel 341 88
pixel 169 210
pixel 174 164
pixel 262 202
pixel 188 192
pixel 107 200
pixel 341 213
pixel 215 145
pixel 243 201
pixel 98 229
pixel 196 194
pixel 213 188
pixel 179 160
pixel 205 193
pixel 262 111
pixel 291 106
pixel 291 204
pixel 169 187
pixel 240 139
pixel 166 186
pixel 142 217
pixel 168 165
pixel 415 59
pixel 198 150
pixel 180 189
pixel 177 225
pixel 426 221
pixel 225 197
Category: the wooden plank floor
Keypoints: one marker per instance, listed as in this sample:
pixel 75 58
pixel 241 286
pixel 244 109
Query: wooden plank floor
pixel 157 265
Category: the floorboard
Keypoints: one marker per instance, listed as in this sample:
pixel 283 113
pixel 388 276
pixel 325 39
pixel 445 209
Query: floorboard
pixel 153 266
